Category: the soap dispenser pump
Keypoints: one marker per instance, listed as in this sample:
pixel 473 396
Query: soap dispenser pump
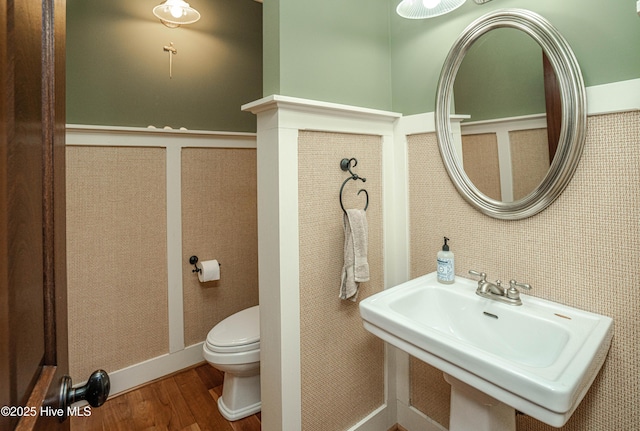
pixel 446 267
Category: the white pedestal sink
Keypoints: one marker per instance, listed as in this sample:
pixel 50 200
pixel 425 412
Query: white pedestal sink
pixel 539 358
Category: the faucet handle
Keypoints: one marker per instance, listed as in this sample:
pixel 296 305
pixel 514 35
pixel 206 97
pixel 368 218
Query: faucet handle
pixel 514 284
pixel 513 293
pixel 482 275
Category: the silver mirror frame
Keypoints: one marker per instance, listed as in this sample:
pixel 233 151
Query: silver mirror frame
pixel 574 114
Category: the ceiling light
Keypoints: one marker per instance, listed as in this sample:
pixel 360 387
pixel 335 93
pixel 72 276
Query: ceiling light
pixel 174 13
pixel 421 9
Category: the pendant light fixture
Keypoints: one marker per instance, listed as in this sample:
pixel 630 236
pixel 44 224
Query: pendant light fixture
pixel 174 13
pixel 421 9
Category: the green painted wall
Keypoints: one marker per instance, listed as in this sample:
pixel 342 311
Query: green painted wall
pixel 357 52
pixel 329 50
pixel 271 48
pixel 603 35
pixel 118 73
pixel 501 76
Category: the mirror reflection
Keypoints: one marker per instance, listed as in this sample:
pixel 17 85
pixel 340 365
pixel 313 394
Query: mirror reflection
pixel 507 94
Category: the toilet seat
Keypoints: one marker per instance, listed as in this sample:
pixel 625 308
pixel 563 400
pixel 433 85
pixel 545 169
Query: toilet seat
pixel 233 349
pixel 238 333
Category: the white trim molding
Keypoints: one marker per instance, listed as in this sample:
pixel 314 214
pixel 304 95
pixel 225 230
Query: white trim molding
pixel 138 374
pixel 279 120
pixel 117 136
pixel 614 97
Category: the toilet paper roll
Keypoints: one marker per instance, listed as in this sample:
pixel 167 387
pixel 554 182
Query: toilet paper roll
pixel 209 270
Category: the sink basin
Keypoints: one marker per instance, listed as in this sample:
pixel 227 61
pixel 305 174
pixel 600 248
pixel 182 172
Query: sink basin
pixel 540 357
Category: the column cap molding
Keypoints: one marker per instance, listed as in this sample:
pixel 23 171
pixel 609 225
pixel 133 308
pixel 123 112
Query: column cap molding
pixel 278 101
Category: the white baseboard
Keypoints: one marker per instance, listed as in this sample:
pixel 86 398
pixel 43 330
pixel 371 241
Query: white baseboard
pixel 154 368
pixel 414 420
pixel 377 420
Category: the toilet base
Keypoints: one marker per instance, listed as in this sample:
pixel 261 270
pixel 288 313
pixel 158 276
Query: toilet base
pixel 240 396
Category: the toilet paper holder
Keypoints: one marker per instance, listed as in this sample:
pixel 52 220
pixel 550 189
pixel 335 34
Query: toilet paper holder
pixel 193 260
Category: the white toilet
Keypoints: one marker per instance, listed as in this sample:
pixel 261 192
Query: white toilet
pixel 233 347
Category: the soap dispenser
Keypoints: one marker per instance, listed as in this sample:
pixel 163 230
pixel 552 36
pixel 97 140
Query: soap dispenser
pixel 446 268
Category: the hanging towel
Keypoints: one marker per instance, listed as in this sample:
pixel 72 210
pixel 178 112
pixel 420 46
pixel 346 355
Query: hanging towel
pixel 356 267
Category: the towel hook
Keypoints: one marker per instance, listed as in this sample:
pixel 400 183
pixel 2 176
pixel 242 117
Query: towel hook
pixel 346 165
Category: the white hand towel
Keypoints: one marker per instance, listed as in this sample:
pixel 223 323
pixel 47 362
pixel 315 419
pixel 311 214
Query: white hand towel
pixel 356 267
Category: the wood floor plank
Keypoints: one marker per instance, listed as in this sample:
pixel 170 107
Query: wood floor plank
pixel 185 401
pixel 117 415
pixel 216 392
pixel 201 404
pixel 250 423
pixel 142 409
pixel 89 423
pixel 151 409
pixel 179 407
pixel 166 403
pixel 210 376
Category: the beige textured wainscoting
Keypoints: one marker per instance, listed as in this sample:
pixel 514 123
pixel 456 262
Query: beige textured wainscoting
pixel 139 203
pixel 219 221
pixel 529 160
pixel 582 251
pixel 117 257
pixel 480 155
pixel 342 365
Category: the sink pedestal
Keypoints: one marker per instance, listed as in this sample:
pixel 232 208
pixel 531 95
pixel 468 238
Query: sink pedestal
pixel 472 410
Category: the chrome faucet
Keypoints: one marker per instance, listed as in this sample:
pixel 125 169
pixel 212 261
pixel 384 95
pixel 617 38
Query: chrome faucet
pixel 497 292
pixel 486 287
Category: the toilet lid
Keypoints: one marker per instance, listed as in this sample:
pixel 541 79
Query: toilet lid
pixel 239 329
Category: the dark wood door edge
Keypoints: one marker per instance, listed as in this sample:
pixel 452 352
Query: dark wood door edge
pixel 37 398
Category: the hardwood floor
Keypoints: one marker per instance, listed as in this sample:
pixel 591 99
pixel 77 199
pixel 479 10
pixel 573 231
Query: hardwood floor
pixel 186 401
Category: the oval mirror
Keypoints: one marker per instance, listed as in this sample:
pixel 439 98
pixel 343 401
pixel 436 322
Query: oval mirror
pixel 512 136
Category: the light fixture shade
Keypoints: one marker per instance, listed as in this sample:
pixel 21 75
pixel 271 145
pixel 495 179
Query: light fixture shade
pixel 421 9
pixel 174 13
